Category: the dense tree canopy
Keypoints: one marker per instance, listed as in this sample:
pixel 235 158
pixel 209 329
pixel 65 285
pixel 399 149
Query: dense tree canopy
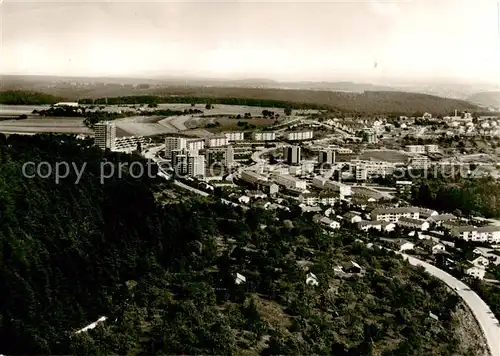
pixel 472 196
pixel 21 97
pixel 164 274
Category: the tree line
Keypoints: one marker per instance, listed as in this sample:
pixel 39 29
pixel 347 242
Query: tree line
pixel 22 97
pixel 207 101
pixel 467 196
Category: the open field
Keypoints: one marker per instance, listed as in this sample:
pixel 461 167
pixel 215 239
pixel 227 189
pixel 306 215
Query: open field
pixel 384 155
pixel 139 120
pixel 143 129
pixel 176 122
pixel 198 133
pixel 221 109
pixel 478 158
pixel 134 125
pixel 40 125
pixel 141 126
pixel 16 110
pixel 227 124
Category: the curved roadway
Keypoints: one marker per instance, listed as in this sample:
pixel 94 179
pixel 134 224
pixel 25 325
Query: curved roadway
pixel 484 316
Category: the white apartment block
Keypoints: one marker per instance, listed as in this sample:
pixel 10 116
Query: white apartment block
pixel 419 162
pixel 235 136
pixel 307 167
pixel 220 155
pixel 188 163
pixel 373 168
pixel 489 234
pixel 422 148
pixel 252 177
pixel 415 148
pixel 308 199
pixel 338 187
pixel 313 199
pixel 319 182
pixel 372 137
pixel 361 173
pixel 196 166
pixel 326 157
pixel 369 225
pixel 174 144
pixel 394 214
pixel 179 162
pixel 342 150
pixel 291 182
pixel 299 135
pixel 105 135
pixel 195 144
pixel 404 186
pixel 219 141
pixel 413 223
pixel 431 148
pixel 294 170
pixel 264 136
pixel 365 225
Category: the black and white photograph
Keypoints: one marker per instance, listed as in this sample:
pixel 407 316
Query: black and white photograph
pixel 245 178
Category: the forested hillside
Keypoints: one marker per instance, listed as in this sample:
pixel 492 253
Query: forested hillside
pixel 469 196
pixel 164 275
pixel 21 97
pixel 369 102
pixel 487 98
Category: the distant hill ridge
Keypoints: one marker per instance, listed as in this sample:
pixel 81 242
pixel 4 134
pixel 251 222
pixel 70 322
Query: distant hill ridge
pixel 368 102
pixel 487 98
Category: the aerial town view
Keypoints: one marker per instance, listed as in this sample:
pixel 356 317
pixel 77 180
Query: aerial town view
pixel 157 199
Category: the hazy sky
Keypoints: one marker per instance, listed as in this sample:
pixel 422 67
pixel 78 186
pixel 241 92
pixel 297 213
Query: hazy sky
pixel 276 40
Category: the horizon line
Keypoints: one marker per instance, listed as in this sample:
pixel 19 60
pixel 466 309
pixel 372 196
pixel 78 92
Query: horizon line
pixel 393 80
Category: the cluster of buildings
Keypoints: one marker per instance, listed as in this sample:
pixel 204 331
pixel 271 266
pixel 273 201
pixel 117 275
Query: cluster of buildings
pixel 105 138
pixel 191 156
pixel 466 125
pixel 129 144
pixel 422 219
pixel 300 176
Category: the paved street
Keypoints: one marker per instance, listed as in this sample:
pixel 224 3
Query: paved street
pixel 489 324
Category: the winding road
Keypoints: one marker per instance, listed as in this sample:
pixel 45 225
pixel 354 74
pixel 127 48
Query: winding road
pixel 483 314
